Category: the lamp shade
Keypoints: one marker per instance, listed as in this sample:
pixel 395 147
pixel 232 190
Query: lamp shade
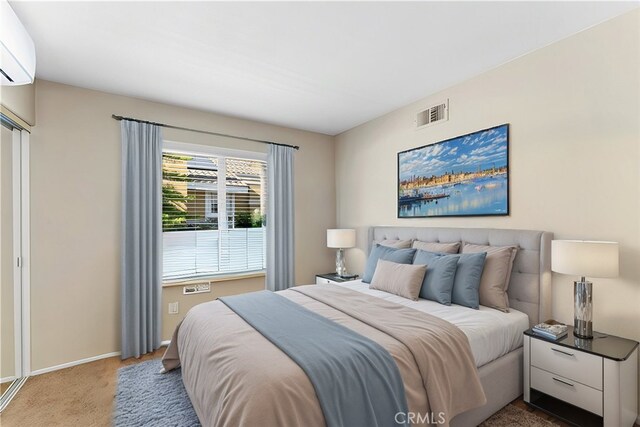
pixel 341 238
pixel 585 258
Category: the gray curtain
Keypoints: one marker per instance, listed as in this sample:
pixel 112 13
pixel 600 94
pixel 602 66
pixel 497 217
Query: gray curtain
pixel 141 275
pixel 280 244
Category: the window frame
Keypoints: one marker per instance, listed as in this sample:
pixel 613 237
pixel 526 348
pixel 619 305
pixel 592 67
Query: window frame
pixel 215 151
pixel 211 199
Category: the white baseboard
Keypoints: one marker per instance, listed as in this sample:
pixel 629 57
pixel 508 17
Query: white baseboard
pixel 7 379
pixel 82 361
pixel 74 363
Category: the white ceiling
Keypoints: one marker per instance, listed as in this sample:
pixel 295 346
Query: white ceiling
pixel 319 66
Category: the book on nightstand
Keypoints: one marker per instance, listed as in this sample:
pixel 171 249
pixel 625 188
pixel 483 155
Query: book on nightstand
pixel 551 329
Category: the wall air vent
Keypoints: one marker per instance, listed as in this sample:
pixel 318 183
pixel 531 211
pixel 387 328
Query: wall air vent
pixel 434 114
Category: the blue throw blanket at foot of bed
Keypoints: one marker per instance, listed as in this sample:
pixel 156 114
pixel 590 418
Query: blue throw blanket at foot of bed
pixel 356 380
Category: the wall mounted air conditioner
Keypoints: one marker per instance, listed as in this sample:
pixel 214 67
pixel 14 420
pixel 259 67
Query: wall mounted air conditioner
pixel 17 51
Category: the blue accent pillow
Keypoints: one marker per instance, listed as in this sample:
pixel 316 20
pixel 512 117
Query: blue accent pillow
pixel 438 281
pixel 466 284
pixel 401 256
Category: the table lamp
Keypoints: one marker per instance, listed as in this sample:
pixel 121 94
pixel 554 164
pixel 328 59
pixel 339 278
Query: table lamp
pixel 585 259
pixel 341 238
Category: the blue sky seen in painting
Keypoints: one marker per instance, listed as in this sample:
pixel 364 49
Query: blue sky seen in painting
pixel 464 154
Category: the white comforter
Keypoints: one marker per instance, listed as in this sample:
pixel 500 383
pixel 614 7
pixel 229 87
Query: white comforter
pixel 491 333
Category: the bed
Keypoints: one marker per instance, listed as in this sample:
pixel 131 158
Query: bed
pixel 234 378
pixel 529 293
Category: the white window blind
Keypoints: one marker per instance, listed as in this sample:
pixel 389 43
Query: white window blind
pixel 213 215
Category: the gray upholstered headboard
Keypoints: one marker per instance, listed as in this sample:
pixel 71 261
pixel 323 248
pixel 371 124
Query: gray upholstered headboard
pixel 530 285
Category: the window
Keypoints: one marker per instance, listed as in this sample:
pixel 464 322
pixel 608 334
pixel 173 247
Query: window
pixel 213 214
pixel 211 204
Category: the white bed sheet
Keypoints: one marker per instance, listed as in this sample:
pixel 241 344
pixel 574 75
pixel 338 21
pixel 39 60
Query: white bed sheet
pixel 491 332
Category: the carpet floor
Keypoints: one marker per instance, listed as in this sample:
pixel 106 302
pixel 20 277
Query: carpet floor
pixel 80 396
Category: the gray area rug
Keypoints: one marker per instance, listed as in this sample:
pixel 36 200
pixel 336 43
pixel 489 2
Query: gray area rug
pixel 145 397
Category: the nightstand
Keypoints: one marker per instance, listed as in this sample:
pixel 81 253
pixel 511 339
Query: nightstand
pixel 584 382
pixel 332 278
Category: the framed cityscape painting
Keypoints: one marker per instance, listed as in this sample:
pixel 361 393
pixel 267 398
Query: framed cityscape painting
pixel 463 176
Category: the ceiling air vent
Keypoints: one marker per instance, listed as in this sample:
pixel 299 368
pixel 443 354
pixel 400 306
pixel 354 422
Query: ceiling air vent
pixel 434 114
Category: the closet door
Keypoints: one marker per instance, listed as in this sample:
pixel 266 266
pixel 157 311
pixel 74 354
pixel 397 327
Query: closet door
pixel 13 201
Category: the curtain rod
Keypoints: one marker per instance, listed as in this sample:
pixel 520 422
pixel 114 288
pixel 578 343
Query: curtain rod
pixel 164 125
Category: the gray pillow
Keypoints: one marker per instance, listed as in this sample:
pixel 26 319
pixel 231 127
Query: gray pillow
pixel 438 281
pixel 466 284
pixel 496 274
pixel 399 279
pixel 449 248
pixel 401 256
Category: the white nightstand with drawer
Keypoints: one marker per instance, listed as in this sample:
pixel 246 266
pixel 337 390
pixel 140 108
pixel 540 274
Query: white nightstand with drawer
pixel 584 382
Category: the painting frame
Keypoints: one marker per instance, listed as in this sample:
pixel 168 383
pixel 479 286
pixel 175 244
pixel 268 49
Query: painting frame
pixel 458 139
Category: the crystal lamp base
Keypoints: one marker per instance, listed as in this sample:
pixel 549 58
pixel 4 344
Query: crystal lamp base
pixel 341 270
pixel 583 309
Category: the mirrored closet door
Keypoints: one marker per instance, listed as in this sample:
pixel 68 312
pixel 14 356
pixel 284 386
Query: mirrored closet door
pixel 14 365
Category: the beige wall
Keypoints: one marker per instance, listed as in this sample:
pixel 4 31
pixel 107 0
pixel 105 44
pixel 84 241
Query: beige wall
pixel 574 110
pixel 21 100
pixel 75 208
